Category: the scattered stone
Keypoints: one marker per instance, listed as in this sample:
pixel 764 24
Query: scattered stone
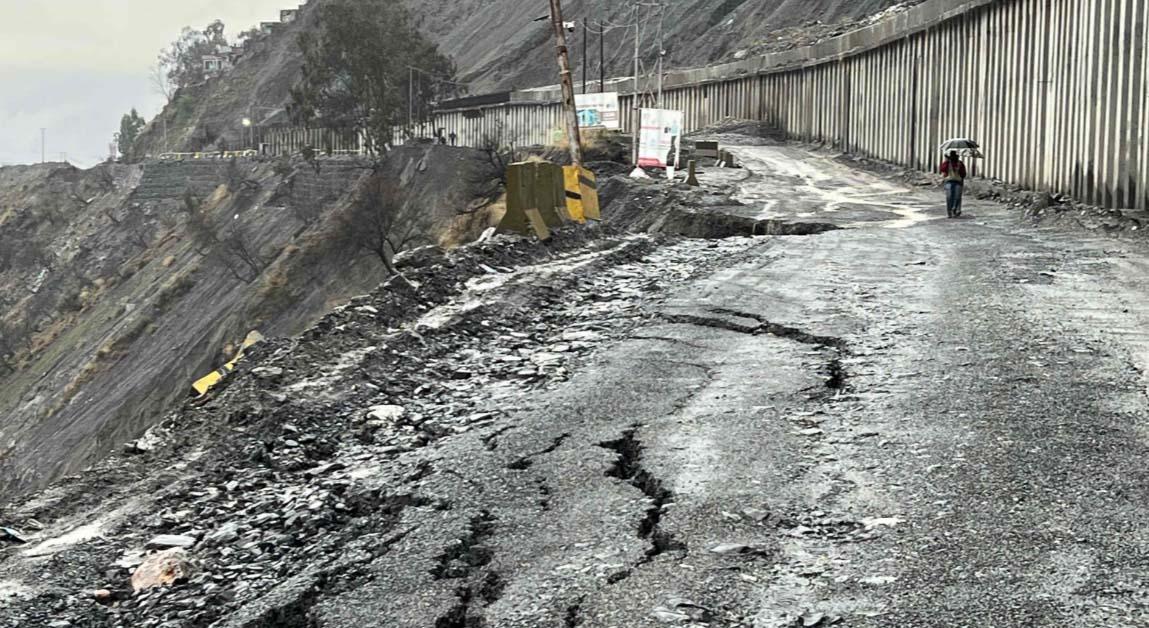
pixel 225 534
pixel 741 549
pixel 267 372
pixel 130 559
pixel 148 442
pixel 818 620
pixel 103 596
pixel 421 257
pixel 166 541
pixel 162 569
pixel 10 534
pixel 888 522
pixel 386 413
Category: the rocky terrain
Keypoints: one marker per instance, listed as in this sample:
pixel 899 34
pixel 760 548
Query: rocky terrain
pixel 112 307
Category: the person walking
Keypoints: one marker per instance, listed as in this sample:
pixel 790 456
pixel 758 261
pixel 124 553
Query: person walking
pixel 954 172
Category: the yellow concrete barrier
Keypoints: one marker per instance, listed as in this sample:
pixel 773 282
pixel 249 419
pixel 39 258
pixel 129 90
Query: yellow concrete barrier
pixel 573 190
pixel 588 184
pixel 551 196
pixel 203 385
pixel 535 199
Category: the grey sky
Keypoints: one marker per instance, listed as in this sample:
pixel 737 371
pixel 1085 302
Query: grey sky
pixel 75 66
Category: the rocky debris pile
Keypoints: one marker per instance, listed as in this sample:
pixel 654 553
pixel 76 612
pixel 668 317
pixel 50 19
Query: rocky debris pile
pixel 308 456
pixel 736 132
pixel 682 210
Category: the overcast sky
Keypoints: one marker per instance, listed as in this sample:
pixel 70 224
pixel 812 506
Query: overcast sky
pixel 75 66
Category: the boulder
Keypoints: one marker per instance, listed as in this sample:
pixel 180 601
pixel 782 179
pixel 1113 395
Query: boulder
pixel 162 569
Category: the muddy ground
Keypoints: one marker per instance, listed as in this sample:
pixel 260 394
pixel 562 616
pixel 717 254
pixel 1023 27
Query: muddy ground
pixel 902 421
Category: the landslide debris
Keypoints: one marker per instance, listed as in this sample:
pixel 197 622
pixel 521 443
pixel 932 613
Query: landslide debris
pixel 309 466
pixel 651 206
pixel 111 302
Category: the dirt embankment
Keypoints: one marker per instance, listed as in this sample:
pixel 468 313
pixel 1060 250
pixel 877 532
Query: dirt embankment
pixel 119 308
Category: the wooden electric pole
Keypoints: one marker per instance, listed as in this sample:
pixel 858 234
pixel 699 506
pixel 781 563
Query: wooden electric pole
pixel 569 110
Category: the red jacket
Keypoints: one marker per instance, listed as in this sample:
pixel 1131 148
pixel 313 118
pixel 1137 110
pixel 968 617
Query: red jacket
pixel 960 169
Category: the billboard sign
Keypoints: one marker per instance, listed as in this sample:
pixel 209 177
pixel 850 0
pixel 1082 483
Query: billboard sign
pixel 660 138
pixel 598 111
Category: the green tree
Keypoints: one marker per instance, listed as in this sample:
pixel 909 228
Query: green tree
pixel 358 69
pixel 181 64
pixel 130 127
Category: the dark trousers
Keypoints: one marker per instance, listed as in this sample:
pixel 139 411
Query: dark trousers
pixel 954 191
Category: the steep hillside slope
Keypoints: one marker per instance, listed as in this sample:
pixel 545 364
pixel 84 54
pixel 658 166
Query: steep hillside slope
pixel 118 309
pixel 497 45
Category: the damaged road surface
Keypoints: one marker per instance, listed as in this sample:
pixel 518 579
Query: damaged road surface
pixel 908 421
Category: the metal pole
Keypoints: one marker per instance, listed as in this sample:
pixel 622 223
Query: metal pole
pixel 570 113
pixel 637 106
pixel 43 146
pixel 661 50
pixel 601 57
pixel 585 59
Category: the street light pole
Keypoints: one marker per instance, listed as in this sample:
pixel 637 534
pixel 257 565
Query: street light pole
pixel 569 111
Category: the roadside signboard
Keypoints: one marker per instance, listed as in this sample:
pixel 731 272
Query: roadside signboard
pixel 598 111
pixel 660 138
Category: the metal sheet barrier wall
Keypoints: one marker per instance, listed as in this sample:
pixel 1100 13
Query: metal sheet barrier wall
pixel 1056 91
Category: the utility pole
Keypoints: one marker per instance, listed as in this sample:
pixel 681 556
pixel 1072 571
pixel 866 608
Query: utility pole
pixel 43 145
pixel 569 111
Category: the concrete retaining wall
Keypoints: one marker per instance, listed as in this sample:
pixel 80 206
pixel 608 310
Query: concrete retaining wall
pixel 1056 91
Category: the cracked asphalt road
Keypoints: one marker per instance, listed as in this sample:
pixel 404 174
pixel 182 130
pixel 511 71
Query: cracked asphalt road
pixel 910 422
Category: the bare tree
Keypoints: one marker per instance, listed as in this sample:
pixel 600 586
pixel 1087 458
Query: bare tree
pixel 498 145
pixel 139 230
pixel 378 222
pixel 163 85
pixel 231 245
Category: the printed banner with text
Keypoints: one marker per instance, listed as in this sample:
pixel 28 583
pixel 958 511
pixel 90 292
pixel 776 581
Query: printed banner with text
pixel 659 139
